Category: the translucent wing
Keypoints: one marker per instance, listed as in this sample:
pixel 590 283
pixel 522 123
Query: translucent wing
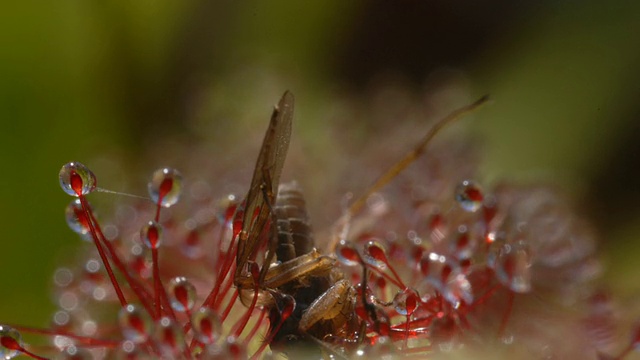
pixel 264 184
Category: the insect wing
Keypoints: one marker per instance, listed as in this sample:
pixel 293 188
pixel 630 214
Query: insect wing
pixel 266 177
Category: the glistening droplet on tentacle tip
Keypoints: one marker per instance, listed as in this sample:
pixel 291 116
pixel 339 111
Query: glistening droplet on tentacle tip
pixel 76 179
pixel 165 187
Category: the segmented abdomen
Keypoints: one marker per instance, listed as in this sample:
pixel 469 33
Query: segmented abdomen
pixel 295 237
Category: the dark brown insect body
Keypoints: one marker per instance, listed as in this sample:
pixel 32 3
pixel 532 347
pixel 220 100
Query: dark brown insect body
pixel 276 234
pixel 277 264
pixel 295 239
pixel 295 236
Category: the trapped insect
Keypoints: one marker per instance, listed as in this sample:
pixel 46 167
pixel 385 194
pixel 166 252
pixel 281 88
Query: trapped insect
pixel 434 263
pixel 275 227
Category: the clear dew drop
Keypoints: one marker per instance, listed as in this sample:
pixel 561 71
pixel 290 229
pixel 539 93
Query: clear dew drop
pixel 346 254
pixel 207 325
pixel 375 254
pixel 512 265
pixel 136 325
pixel 77 219
pixel 182 294
pixel 469 196
pixel 76 179
pixel 169 337
pixel 406 301
pixel 10 342
pixel 151 235
pixel 165 187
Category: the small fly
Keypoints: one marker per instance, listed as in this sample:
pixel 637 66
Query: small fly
pixel 319 302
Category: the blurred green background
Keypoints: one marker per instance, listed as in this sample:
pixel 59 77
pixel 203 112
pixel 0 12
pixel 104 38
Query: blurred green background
pixel 83 80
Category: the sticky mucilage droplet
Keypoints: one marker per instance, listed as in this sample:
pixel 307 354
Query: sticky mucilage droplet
pixel 165 187
pixel 469 195
pixel 151 235
pixel 76 179
pixel 182 294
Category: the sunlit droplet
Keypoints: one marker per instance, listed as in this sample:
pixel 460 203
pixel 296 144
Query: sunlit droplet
pixel 182 294
pixel 151 235
pixel 77 219
pixel 76 179
pixel 406 301
pixel 207 325
pixel 135 323
pixel 375 254
pixel 346 254
pixel 10 342
pixel 469 196
pixel 165 186
pixel 169 337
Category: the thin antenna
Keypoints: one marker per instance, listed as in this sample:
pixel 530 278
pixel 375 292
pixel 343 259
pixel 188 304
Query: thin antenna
pixel 409 158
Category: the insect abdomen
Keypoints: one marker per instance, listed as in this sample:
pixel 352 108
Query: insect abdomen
pixel 295 237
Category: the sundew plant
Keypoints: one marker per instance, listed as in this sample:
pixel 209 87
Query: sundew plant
pixel 380 209
pixel 426 263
